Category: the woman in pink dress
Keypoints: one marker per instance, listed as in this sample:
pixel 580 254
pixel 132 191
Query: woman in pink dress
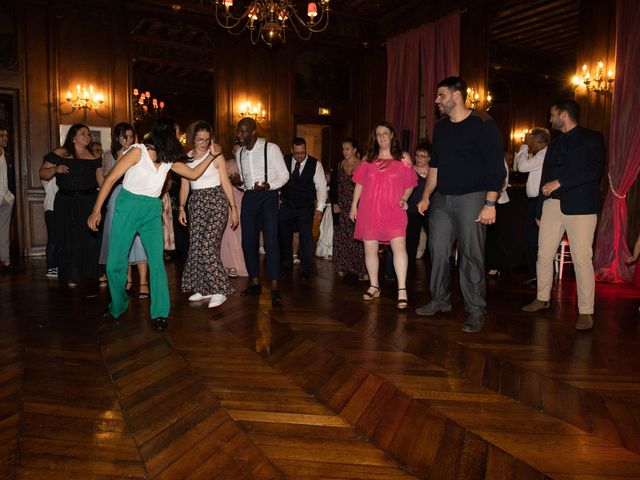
pixel 231 247
pixel 384 181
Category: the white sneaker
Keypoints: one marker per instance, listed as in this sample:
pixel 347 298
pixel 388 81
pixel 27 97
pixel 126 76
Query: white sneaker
pixel 217 300
pixel 262 251
pixel 52 272
pixel 197 297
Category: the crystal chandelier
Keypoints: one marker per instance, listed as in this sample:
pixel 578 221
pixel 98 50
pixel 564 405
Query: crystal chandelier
pixel 85 99
pixel 145 107
pixel 267 19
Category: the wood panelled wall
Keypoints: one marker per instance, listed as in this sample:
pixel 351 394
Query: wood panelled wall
pixel 64 42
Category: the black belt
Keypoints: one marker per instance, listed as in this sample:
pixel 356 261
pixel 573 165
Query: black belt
pixel 86 191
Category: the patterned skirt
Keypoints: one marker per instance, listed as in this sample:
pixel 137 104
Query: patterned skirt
pixel 204 272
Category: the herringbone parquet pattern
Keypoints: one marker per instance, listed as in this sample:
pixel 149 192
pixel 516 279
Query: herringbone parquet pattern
pixel 328 387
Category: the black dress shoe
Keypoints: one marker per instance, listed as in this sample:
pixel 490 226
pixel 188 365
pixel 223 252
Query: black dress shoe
pixel 276 299
pixel 160 323
pixel 285 269
pixel 107 314
pixel 252 290
pixel 304 276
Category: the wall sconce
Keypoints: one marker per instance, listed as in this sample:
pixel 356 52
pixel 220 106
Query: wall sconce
pixel 597 83
pixel 489 101
pixel 473 98
pixel 519 134
pixel 247 109
pixel 85 99
pixel 325 111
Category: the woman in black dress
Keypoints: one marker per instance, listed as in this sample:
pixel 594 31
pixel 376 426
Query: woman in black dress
pixel 78 174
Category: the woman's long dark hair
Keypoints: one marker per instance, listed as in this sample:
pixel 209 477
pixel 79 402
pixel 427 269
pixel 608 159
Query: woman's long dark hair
pixel 164 141
pixel 119 131
pixel 354 144
pixel 374 147
pixel 68 144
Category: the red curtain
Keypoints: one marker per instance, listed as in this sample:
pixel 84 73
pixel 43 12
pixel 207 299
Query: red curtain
pixel 435 49
pixel 624 148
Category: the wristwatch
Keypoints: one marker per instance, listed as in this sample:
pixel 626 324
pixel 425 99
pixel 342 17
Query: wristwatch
pixel 490 203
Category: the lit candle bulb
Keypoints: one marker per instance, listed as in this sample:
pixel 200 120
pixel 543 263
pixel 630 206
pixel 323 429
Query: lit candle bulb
pixel 610 74
pixel 228 4
pixel 161 105
pixel 155 103
pixel 312 10
pixel 147 94
pixel 136 92
pixel 69 96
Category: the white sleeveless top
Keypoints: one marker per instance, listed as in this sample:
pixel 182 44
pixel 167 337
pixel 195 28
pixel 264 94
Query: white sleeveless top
pixel 210 178
pixel 144 178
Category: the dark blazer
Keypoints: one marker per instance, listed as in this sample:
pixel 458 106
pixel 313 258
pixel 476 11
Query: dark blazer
pixel 579 158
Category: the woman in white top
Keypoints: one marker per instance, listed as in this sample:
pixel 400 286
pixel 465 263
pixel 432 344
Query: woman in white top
pixel 139 211
pixel 210 205
pixel 121 140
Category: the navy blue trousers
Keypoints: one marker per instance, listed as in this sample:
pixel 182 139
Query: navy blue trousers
pixel 260 211
pixel 300 220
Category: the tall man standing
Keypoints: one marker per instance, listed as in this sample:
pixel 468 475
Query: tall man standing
pixel 467 166
pixel 262 171
pixel 304 193
pixel 530 158
pixel 569 201
pixel 6 198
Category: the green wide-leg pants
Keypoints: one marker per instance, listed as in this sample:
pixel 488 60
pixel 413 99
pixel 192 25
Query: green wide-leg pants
pixel 137 214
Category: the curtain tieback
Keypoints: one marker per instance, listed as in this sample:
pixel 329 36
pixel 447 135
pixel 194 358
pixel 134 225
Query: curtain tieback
pixel 616 194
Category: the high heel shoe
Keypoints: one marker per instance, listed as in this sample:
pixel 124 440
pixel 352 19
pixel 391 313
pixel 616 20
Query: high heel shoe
pixel 127 287
pixel 141 294
pixel 371 295
pixel 402 302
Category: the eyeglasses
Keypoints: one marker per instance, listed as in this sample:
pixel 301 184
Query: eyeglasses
pixel 202 140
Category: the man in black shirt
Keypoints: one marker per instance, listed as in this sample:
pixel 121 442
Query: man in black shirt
pixel 569 201
pixel 467 167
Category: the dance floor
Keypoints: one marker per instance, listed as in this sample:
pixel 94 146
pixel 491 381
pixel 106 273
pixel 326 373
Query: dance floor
pixel 327 387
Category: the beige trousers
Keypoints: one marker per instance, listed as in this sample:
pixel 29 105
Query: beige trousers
pixel 580 230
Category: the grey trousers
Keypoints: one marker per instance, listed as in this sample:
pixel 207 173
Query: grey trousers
pixel 451 218
pixel 5 228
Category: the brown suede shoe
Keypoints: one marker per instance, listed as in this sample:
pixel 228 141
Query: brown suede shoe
pixel 585 322
pixel 536 306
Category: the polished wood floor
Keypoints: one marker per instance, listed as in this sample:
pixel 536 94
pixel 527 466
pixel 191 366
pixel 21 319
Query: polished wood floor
pixel 328 387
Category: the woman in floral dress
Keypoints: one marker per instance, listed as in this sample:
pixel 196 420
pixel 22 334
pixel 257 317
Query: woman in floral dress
pixel 210 205
pixel 348 253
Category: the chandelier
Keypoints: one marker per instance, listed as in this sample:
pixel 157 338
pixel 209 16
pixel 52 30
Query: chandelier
pixel 247 109
pixel 267 19
pixel 598 82
pixel 145 107
pixel 474 99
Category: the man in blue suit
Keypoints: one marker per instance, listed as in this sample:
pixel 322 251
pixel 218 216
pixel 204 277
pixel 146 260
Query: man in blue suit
pixel 569 201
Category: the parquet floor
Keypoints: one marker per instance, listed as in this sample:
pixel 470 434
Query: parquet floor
pixel 328 387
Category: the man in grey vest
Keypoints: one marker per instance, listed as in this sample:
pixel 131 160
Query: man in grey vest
pixel 304 194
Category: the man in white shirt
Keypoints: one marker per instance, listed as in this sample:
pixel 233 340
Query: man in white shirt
pixel 304 193
pixel 6 199
pixel 530 158
pixel 262 172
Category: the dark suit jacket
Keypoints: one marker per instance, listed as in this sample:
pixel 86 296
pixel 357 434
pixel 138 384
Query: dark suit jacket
pixel 580 153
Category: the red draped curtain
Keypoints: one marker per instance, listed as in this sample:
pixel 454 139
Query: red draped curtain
pixel 624 148
pixel 433 50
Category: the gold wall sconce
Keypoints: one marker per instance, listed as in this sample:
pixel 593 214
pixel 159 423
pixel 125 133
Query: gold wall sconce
pixel 255 111
pixel 596 82
pixel 519 135
pixel 474 99
pixel 85 99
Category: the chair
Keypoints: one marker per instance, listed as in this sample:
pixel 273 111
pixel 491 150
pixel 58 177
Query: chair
pixel 563 256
